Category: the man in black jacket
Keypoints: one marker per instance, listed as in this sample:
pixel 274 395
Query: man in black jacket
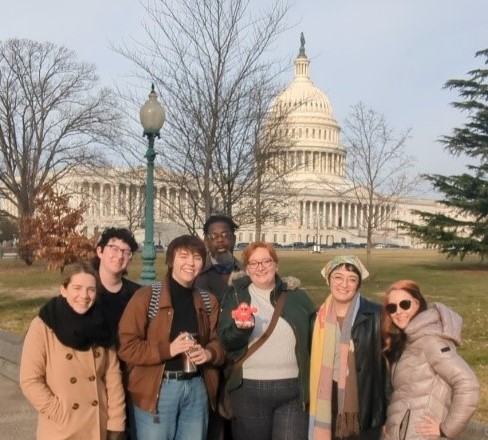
pixel 114 252
pixel 220 239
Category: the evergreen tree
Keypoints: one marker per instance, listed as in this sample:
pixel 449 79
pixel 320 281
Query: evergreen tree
pixel 464 230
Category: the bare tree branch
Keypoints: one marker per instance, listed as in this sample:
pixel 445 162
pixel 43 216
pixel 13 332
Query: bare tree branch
pixel 52 118
pixel 378 166
pixel 211 61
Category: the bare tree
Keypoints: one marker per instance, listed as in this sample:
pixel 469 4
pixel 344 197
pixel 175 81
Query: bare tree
pixel 378 167
pixel 270 185
pixel 52 116
pixel 211 62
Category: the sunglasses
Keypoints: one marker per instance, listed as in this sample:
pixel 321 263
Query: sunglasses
pixel 404 305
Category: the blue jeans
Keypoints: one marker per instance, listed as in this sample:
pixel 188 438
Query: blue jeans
pixel 183 412
pixel 268 410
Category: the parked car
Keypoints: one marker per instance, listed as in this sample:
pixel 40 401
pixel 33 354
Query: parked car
pixel 240 246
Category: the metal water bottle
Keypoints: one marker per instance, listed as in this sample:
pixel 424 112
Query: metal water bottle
pixel 188 365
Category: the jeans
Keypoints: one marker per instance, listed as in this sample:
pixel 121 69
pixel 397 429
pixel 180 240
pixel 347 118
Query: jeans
pixel 182 412
pixel 268 410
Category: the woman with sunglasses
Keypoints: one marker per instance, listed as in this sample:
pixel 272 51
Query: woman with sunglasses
pixel 269 392
pixel 435 392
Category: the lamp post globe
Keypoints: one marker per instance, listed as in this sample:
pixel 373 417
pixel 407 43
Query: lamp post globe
pixel 152 118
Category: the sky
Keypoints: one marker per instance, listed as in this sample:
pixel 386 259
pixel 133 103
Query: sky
pixel 394 56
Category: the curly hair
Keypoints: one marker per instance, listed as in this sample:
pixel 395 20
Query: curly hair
pixel 220 219
pixel 108 233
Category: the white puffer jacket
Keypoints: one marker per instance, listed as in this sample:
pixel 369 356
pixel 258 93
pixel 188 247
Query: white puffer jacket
pixel 431 378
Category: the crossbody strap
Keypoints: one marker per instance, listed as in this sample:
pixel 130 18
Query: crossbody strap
pixel 264 337
pixel 206 301
pixel 153 302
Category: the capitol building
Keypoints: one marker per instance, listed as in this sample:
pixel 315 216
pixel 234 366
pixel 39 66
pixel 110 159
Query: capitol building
pixel 318 209
pixel 322 210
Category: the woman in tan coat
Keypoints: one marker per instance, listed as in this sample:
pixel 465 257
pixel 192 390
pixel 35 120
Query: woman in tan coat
pixel 69 370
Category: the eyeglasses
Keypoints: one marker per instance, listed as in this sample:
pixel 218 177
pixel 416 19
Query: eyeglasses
pixel 264 263
pixel 404 305
pixel 115 250
pixel 216 235
pixel 339 279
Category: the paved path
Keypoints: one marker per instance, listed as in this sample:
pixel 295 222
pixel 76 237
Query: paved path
pixel 17 417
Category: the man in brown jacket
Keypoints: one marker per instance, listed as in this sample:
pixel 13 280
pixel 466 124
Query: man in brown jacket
pixel 169 401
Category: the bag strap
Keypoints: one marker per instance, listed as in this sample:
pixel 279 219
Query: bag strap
pixel 153 302
pixel 264 337
pixel 206 301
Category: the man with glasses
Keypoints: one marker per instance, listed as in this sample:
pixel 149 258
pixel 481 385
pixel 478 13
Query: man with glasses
pixel 220 238
pixel 113 254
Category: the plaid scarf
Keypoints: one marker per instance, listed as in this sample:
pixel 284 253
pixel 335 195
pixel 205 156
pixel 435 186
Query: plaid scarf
pixel 322 366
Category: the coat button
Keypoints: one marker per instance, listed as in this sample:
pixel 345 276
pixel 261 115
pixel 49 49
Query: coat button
pixel 91 378
pixel 75 406
pixel 73 380
pixel 95 403
pixel 69 356
pixel 96 354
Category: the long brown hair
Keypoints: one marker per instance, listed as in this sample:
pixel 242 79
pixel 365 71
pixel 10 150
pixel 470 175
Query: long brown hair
pixel 393 337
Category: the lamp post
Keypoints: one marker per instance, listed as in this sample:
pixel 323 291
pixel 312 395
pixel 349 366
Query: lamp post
pixel 152 118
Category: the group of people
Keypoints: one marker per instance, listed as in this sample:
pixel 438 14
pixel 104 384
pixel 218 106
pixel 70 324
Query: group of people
pixel 109 359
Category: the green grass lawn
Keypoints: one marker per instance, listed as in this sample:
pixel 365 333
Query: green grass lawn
pixel 460 285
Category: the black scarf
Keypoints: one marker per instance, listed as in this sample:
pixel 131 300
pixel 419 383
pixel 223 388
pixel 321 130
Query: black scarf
pixel 74 330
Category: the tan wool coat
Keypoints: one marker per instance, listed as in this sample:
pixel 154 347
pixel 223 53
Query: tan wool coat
pixel 78 394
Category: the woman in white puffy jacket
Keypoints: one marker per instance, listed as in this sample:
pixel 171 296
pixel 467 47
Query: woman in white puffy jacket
pixel 435 392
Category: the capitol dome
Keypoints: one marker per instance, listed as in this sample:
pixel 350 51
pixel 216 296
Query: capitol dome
pixel 309 116
pixel 302 97
pixel 308 122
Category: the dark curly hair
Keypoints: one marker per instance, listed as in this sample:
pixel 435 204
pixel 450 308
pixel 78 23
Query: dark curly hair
pixel 122 234
pixel 220 219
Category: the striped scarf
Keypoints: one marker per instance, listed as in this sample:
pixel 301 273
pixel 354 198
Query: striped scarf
pixel 322 366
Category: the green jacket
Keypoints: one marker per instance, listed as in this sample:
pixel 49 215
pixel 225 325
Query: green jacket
pixel 298 311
